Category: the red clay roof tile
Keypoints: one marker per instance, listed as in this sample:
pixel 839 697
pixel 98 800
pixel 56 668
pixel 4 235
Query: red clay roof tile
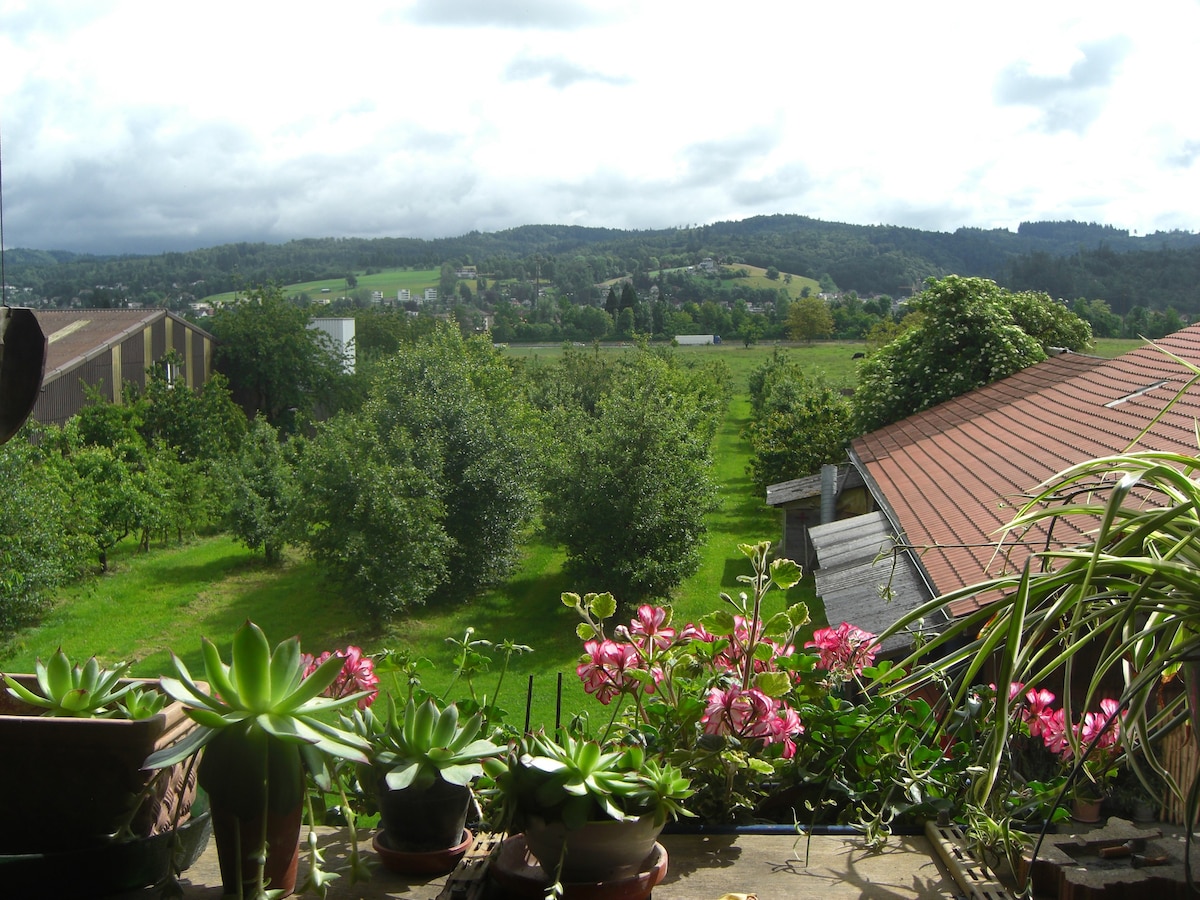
pixel 952 473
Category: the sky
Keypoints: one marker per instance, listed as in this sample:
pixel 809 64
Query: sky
pixel 142 126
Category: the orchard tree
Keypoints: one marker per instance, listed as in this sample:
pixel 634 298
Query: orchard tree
pixel 808 319
pixel 44 545
pixel 202 424
pixel 371 515
pixel 629 489
pixel 967 336
pixel 431 486
pixel 798 423
pixel 804 425
pixel 275 363
pixel 262 492
pixel 459 400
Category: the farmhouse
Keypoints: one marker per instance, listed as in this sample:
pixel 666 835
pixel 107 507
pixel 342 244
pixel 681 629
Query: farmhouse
pixel 103 348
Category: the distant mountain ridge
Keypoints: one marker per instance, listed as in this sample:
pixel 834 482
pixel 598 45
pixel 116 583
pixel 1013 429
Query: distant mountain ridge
pixel 1067 259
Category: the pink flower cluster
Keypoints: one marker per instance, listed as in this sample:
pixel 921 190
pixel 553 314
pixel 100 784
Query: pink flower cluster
pixel 630 665
pixel 1099 730
pixel 358 674
pixel 605 671
pixel 845 650
pixel 751 714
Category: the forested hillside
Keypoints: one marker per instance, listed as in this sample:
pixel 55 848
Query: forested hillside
pixel 1068 260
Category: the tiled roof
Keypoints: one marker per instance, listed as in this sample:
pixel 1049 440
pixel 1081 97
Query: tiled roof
pixel 951 474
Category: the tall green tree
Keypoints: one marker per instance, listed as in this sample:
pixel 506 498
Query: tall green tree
pixel 431 486
pixel 275 363
pixel 629 489
pixel 44 543
pixel 966 336
pixel 800 425
pixel 372 515
pixel 199 424
pixel 809 318
pixel 262 493
pixel 460 400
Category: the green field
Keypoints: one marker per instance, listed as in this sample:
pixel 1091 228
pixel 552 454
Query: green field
pixel 387 282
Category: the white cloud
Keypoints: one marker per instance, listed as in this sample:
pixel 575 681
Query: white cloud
pixel 139 126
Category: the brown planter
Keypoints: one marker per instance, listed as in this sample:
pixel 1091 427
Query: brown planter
pixel 603 850
pixel 249 775
pixel 242 839
pixel 428 819
pixel 75 780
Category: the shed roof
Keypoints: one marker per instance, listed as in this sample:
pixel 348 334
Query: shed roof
pixel 806 488
pixel 951 474
pixel 861 581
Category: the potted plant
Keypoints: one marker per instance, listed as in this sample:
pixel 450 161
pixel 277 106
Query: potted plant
pixel 422 766
pixel 78 735
pixel 259 726
pixel 587 813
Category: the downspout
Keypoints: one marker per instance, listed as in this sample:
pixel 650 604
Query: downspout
pixel 828 493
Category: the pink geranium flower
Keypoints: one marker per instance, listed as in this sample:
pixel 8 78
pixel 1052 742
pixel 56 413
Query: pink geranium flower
pixel 751 714
pixel 605 669
pixel 650 628
pixel 1096 727
pixel 845 650
pixel 357 674
pixel 1054 734
pixel 1038 713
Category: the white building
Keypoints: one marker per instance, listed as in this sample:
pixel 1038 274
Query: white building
pixel 341 331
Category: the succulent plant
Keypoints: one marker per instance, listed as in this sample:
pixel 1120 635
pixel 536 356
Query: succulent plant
pixel 573 779
pixel 260 691
pixel 427 744
pixel 85 691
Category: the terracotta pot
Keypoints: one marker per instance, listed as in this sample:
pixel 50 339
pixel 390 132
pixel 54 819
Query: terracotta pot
pixel 240 840
pixel 520 877
pixel 1086 810
pixel 424 820
pixel 421 862
pixel 604 850
pixel 92 767
pixel 255 785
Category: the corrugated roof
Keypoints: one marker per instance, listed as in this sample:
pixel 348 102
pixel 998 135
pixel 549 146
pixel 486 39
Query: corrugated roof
pixel 952 473
pixel 860 581
pixel 75 335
